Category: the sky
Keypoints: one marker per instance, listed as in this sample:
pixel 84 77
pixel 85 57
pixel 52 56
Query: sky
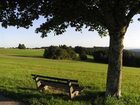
pixel 11 37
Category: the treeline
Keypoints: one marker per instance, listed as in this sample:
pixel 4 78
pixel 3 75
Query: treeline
pixel 60 52
pixel 129 57
pixel 83 52
pixel 65 52
pixel 100 54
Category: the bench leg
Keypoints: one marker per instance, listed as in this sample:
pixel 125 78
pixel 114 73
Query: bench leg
pixel 70 92
pixel 73 93
pixel 46 87
pixel 38 83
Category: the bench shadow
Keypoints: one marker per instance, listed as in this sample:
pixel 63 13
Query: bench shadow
pixel 87 95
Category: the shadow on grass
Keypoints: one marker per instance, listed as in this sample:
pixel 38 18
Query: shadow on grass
pixel 89 60
pixel 26 95
pixel 93 61
pixel 28 56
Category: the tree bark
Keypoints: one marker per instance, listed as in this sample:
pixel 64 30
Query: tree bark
pixel 114 74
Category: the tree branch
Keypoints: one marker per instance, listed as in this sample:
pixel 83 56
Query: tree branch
pixel 133 11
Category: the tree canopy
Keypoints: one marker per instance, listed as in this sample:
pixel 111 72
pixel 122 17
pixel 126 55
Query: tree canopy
pixel 110 17
pixel 100 15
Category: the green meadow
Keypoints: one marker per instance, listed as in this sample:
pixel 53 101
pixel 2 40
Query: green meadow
pixel 16 67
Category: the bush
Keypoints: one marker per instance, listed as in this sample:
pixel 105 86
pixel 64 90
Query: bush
pixel 83 56
pixel 50 52
pixel 128 58
pixel 21 46
pixel 89 51
pixel 83 52
pixel 61 52
pixel 71 53
pixel 79 49
pixel 101 55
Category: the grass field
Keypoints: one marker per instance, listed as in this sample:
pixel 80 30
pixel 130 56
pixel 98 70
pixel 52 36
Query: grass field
pixel 16 67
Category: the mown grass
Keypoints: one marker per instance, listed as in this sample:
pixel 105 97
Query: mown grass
pixel 16 67
pixel 22 53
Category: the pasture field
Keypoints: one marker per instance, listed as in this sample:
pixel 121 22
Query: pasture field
pixel 16 67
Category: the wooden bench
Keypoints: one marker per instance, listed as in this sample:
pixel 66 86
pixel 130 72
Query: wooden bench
pixel 43 83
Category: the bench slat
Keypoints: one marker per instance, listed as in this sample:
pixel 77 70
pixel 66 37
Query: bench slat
pixel 61 79
pixel 50 81
pixel 56 84
pixel 70 86
pixel 59 84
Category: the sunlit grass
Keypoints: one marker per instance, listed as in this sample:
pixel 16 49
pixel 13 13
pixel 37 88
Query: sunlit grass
pixel 16 67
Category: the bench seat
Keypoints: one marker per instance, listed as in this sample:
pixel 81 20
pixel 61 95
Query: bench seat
pixel 71 87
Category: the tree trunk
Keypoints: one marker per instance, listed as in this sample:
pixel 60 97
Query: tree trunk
pixel 114 75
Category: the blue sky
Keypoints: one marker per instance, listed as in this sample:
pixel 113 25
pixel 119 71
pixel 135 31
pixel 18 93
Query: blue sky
pixel 12 36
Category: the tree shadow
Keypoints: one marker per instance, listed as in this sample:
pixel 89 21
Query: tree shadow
pixel 27 56
pixel 86 95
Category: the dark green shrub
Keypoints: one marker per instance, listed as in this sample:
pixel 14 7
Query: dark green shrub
pixel 101 55
pixel 61 52
pixel 89 51
pixel 129 58
pixel 72 53
pixel 51 52
pixel 21 46
pixel 79 49
pixel 83 56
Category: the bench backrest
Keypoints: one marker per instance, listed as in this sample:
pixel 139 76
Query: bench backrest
pixel 40 77
pixel 68 85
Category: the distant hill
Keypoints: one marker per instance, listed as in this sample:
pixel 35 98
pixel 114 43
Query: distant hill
pixel 136 51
